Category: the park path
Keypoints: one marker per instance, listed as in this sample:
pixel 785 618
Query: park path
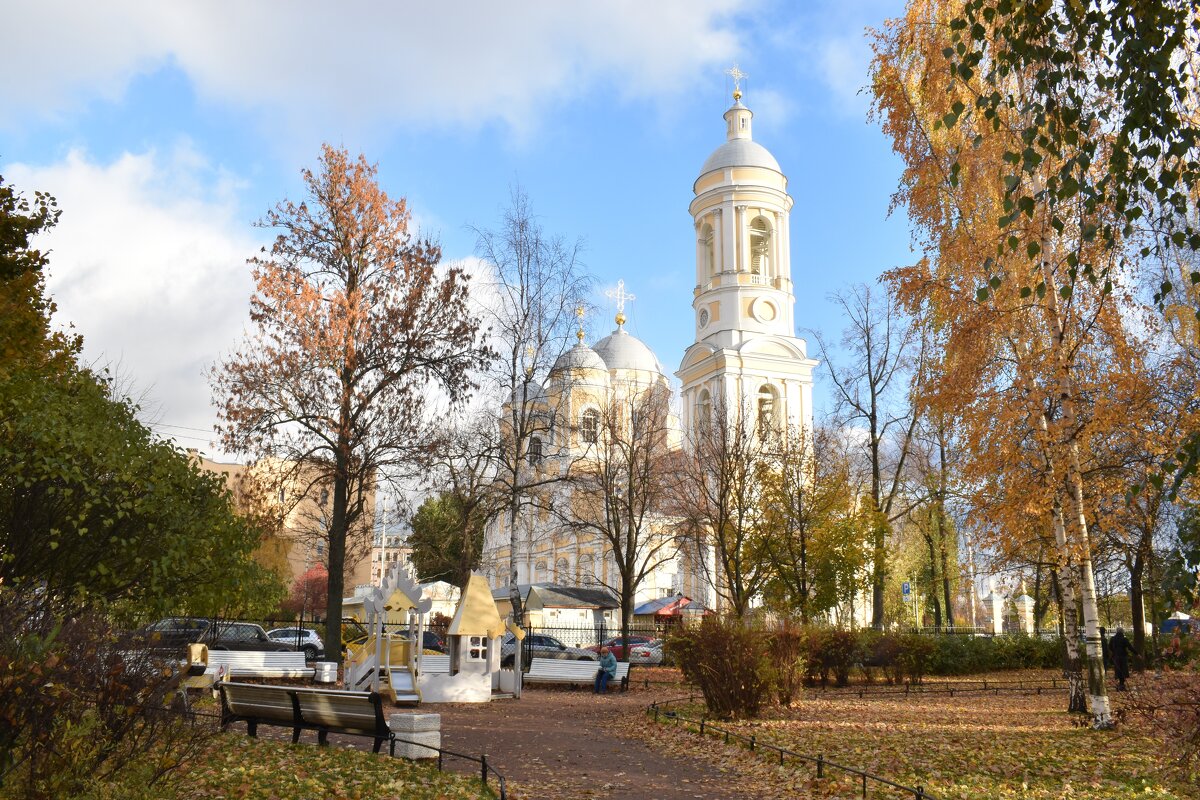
pixel 564 744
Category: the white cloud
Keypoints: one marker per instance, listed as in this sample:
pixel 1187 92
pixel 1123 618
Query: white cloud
pixel 149 264
pixel 844 61
pixel 420 65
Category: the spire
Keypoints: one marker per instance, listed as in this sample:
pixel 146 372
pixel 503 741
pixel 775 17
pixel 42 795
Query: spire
pixel 737 76
pixel 579 312
pixel 738 116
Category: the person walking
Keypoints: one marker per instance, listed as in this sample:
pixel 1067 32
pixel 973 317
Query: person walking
pixel 1120 648
pixel 607 671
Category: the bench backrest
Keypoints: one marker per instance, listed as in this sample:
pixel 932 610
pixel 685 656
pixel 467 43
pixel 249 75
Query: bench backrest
pixel 561 668
pixel 260 702
pixel 362 711
pixel 256 659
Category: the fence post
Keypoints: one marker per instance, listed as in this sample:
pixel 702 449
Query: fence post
pixel 702 726
pixel 864 786
pixel 439 760
pixel 920 792
pixel 656 712
pixel 752 738
pixel 483 768
pixel 820 766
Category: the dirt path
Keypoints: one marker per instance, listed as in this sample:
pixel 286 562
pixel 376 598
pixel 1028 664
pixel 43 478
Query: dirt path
pixel 562 744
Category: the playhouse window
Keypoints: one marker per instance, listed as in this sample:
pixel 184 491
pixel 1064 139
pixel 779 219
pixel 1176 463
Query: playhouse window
pixel 478 648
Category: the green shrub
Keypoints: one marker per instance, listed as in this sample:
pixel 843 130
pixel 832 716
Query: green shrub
pixel 728 662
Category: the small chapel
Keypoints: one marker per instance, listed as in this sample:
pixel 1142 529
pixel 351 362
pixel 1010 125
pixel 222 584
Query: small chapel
pixel 745 355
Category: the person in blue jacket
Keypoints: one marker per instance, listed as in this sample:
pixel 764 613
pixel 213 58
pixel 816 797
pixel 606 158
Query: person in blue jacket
pixel 607 671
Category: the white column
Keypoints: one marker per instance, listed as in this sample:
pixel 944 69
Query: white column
pixel 743 233
pixel 719 237
pixel 729 236
pixel 701 275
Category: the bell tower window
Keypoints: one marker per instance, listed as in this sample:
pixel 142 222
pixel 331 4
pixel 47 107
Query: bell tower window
pixel 760 246
pixel 766 410
pixel 706 243
pixel 535 451
pixel 703 410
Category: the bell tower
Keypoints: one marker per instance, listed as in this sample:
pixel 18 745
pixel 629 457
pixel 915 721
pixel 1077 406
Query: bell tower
pixel 746 353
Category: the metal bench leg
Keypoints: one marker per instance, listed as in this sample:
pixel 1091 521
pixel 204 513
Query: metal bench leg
pixel 323 738
pixel 252 728
pixel 378 744
pixel 295 735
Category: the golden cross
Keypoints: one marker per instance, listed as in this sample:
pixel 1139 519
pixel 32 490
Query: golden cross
pixel 737 76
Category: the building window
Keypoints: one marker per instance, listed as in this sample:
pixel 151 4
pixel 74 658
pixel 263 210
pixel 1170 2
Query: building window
pixel 766 410
pixel 535 450
pixel 706 245
pixel 324 497
pixel 704 410
pixel 562 571
pixel 590 426
pixel 760 246
pixel 586 568
pixel 539 572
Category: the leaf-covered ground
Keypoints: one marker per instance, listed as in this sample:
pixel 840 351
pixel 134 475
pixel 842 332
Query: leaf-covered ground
pixel 237 766
pixel 965 747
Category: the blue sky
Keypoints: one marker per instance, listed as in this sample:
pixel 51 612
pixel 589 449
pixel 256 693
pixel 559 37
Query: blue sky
pixel 166 129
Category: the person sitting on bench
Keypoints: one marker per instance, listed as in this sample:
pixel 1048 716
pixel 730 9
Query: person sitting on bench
pixel 607 671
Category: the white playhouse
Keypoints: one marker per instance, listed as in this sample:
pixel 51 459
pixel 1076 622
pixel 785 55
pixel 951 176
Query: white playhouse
pixel 470 673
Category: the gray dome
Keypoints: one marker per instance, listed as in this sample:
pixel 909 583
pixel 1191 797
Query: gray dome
pixel 740 153
pixel 534 393
pixel 622 351
pixel 579 357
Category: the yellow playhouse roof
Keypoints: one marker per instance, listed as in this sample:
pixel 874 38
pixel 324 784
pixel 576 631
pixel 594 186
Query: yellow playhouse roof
pixel 476 614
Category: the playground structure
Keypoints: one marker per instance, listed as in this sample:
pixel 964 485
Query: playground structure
pixel 383 662
pixel 473 643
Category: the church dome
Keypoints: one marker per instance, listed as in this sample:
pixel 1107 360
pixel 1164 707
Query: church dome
pixel 740 153
pixel 533 391
pixel 622 351
pixel 579 357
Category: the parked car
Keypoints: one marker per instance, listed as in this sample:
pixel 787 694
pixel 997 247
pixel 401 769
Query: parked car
pixel 617 649
pixel 539 645
pixel 244 636
pixel 650 653
pixel 305 639
pixel 172 635
pixel 431 642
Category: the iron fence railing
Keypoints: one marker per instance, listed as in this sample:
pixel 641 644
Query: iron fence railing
pixel 756 746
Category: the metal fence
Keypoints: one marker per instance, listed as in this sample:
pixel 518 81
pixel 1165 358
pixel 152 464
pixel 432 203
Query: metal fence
pixel 660 710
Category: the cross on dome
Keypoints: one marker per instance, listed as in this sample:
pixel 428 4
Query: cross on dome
pixel 621 296
pixel 737 76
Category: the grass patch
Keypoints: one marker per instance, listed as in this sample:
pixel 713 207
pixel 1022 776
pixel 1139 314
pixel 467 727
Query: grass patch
pixel 963 747
pixel 237 766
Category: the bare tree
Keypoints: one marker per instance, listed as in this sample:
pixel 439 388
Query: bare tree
pixel 620 492
pixel 538 284
pixel 881 349
pixel 354 322
pixel 719 502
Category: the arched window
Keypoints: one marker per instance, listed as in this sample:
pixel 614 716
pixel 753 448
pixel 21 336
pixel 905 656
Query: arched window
pixel 707 248
pixel 586 569
pixel 539 572
pixel 562 571
pixel 535 450
pixel 760 246
pixel 766 410
pixel 590 426
pixel 704 409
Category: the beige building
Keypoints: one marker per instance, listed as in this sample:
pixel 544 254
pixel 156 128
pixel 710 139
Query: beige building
pixel 305 506
pixel 745 355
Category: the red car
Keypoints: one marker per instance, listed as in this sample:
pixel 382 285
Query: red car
pixel 614 645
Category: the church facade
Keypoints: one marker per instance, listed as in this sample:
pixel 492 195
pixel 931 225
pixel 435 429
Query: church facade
pixel 745 359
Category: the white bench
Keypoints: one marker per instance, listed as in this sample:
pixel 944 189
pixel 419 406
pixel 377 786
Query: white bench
pixel 432 664
pixel 300 708
pixel 258 664
pixel 557 670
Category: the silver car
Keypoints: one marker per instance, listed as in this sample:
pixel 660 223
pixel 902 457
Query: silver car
pixel 650 653
pixel 303 639
pixel 539 645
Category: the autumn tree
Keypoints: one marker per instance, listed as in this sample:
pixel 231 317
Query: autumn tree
pixel 719 502
pixel 880 351
pixel 815 531
pixel 620 492
pixel 355 326
pixel 536 285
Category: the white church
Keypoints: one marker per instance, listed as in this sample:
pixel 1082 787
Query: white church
pixel 745 354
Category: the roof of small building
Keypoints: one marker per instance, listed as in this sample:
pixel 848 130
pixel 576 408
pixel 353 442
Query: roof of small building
pixel 476 614
pixel 556 595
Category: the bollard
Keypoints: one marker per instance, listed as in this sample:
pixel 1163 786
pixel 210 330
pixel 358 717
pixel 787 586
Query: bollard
pixel 483 767
pixel 820 766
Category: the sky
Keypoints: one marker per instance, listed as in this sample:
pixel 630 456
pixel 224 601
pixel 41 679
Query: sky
pixel 165 130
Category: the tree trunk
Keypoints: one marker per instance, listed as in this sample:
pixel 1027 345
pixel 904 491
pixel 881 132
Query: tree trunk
pixel 1073 669
pixel 1137 610
pixel 336 557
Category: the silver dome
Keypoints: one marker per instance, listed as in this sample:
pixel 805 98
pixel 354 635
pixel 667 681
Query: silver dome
pixel 533 391
pixel 622 351
pixel 740 153
pixel 579 357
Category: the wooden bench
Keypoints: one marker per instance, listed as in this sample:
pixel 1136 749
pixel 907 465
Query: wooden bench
pixel 557 670
pixel 325 711
pixel 258 664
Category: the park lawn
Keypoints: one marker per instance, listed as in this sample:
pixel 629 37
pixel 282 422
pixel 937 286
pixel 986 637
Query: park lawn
pixel 237 766
pixel 969 746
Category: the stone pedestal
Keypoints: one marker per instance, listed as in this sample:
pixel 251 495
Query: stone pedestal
pixel 326 672
pixel 414 730
pixel 1024 605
